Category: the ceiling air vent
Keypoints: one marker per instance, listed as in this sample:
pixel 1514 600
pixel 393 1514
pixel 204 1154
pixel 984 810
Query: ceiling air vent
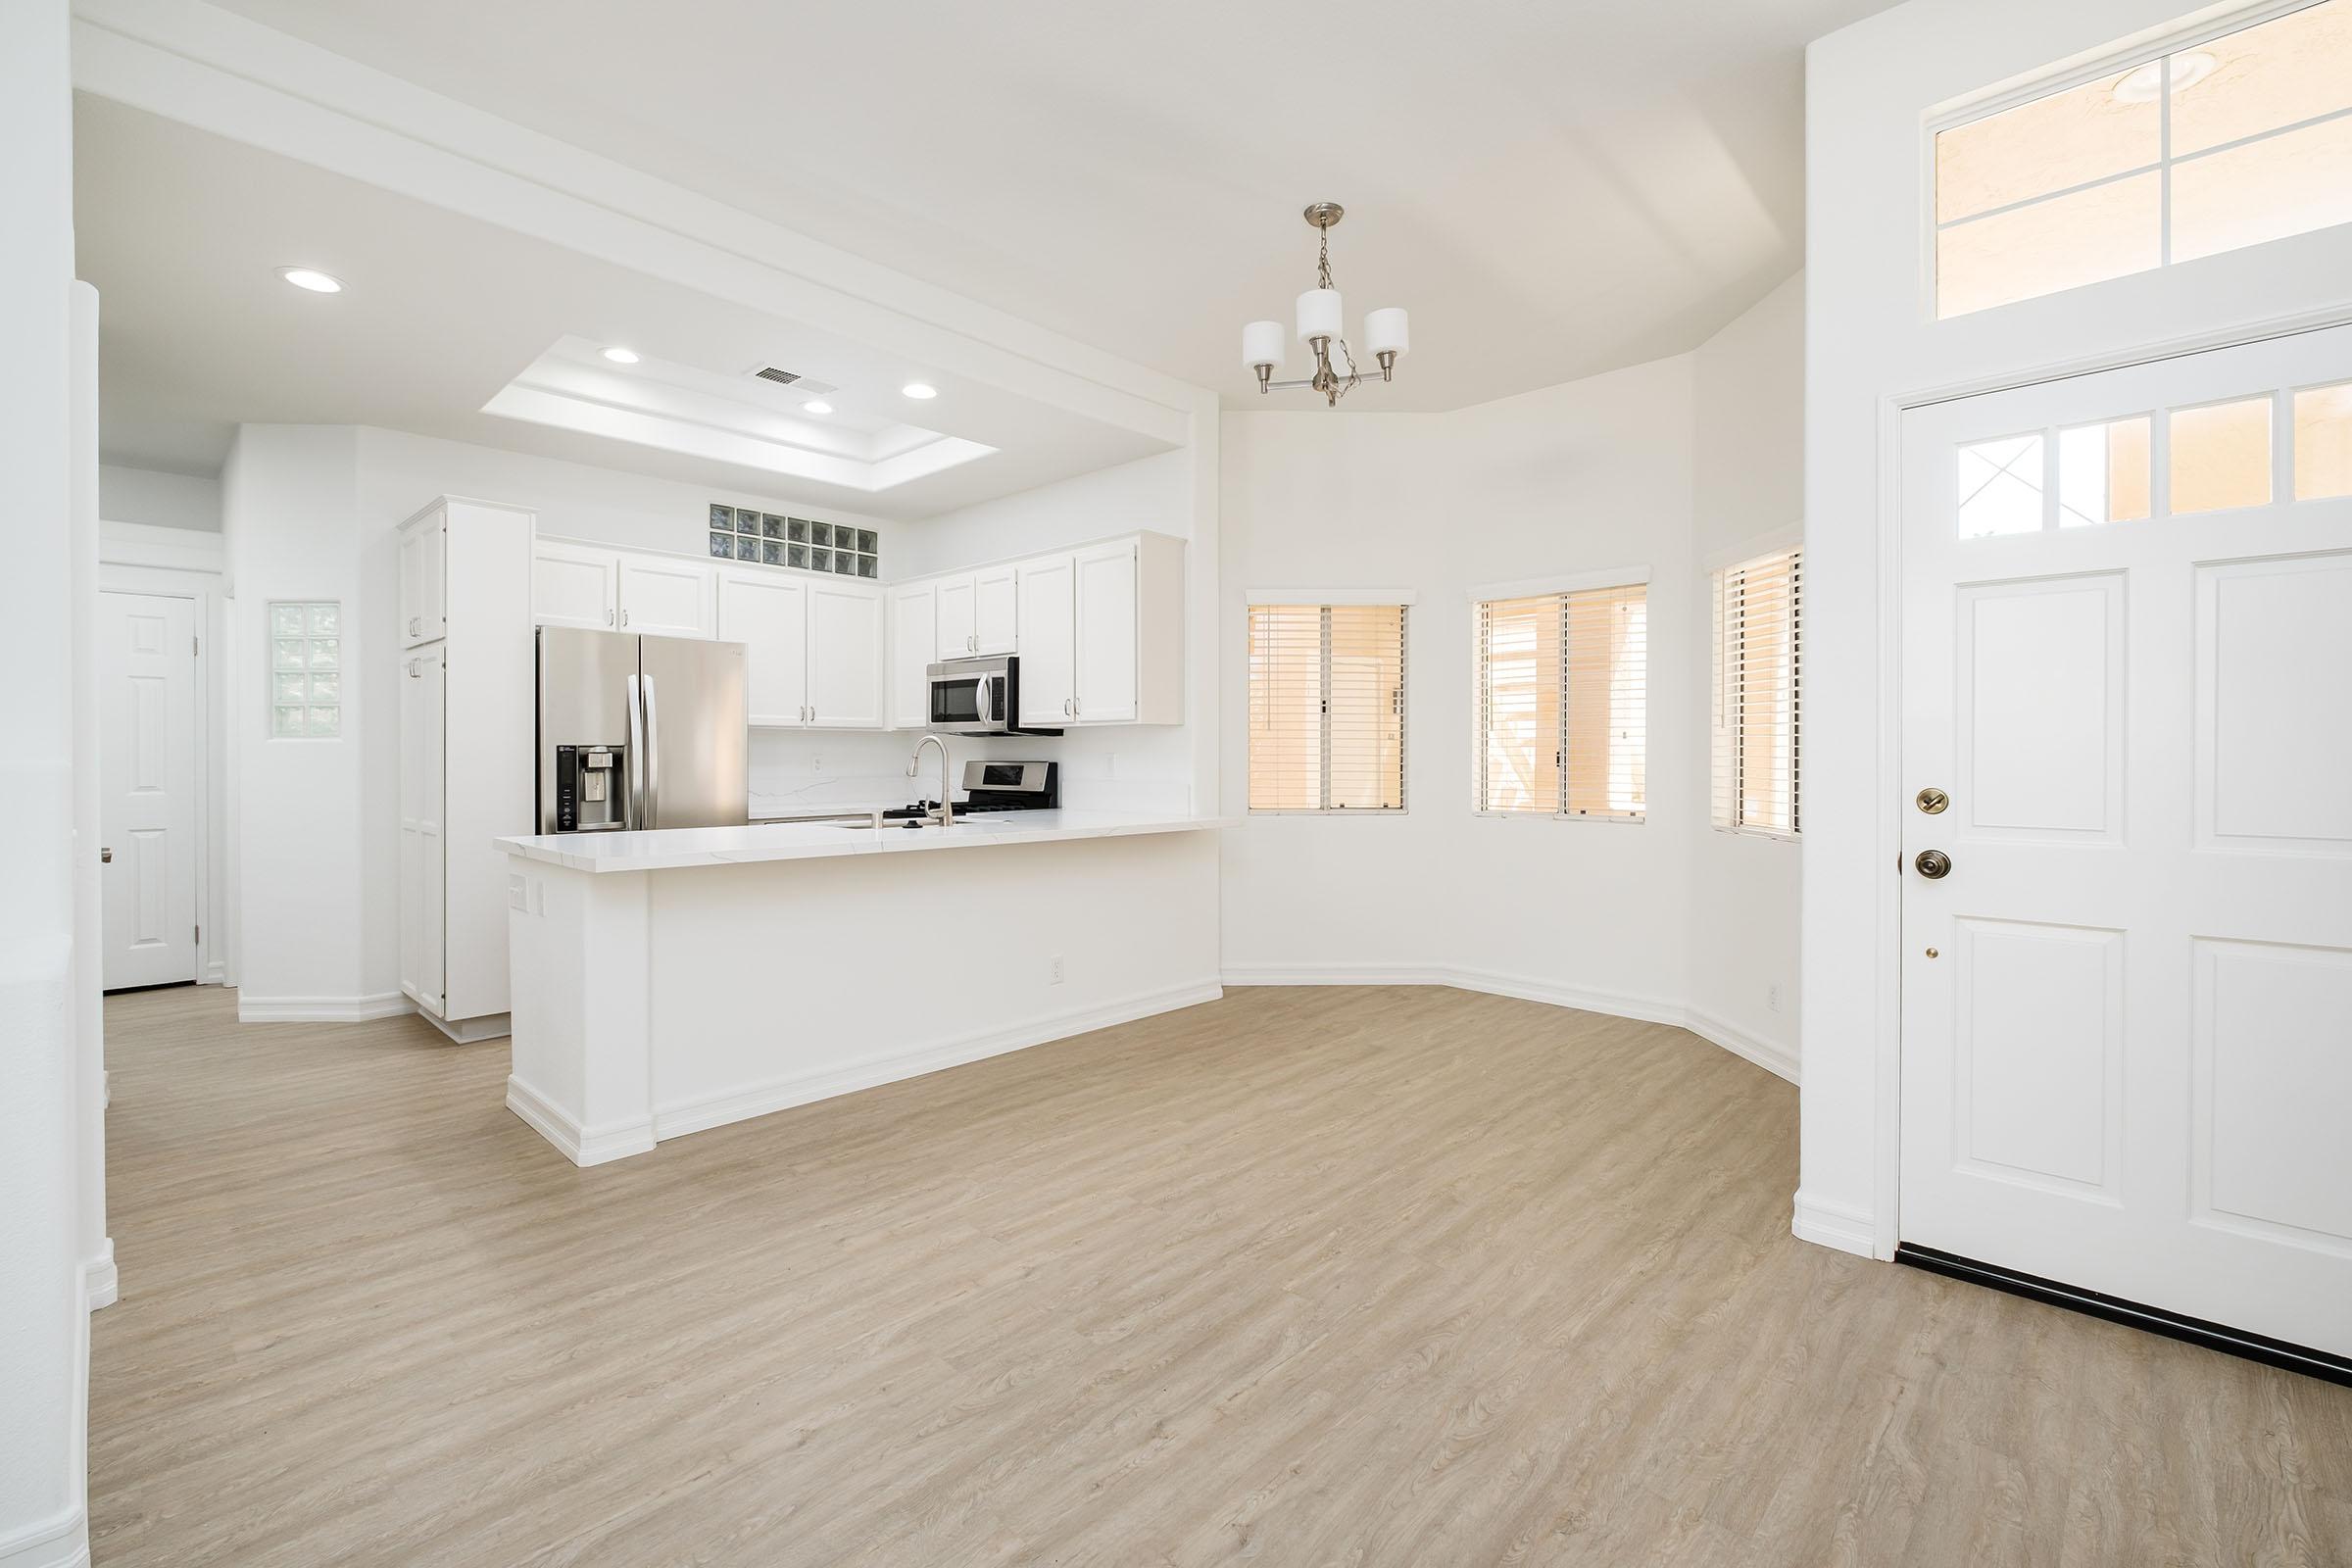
pixel 769 372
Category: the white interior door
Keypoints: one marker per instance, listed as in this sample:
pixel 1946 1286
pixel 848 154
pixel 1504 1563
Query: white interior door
pixel 147 770
pixel 2127 1008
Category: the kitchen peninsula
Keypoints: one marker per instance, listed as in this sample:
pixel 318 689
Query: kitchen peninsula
pixel 670 981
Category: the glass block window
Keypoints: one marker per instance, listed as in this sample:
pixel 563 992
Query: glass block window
pixel 2216 144
pixel 837 548
pixel 306 669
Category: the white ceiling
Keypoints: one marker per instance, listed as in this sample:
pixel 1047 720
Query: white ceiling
pixel 1554 188
pixel 183 232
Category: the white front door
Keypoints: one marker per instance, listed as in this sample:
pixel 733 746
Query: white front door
pixel 147 772
pixel 2127 1008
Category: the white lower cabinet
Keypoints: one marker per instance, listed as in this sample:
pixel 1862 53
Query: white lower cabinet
pixel 914 649
pixel 1048 640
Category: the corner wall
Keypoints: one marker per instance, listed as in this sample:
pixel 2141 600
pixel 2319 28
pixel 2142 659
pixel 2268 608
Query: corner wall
pixel 1652 467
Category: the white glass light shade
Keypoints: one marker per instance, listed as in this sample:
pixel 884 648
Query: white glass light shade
pixel 1386 332
pixel 1261 344
pixel 1319 313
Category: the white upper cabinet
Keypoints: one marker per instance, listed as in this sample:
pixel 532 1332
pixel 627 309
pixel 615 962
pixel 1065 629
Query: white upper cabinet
pixel 1108 619
pixel 995 613
pixel 768 613
pixel 575 585
pixel 915 645
pixel 667 597
pixel 845 655
pixel 1049 641
pixel 959 628
pixel 423 583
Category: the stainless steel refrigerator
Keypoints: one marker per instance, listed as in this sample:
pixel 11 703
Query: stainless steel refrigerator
pixel 641 732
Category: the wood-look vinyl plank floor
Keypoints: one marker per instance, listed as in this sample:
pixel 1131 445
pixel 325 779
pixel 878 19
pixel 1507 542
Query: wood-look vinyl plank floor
pixel 1322 1276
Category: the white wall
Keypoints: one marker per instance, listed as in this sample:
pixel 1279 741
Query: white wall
pixel 1871 341
pixel 1748 492
pixel 162 500
pixel 306 914
pixel 1592 475
pixel 44 1331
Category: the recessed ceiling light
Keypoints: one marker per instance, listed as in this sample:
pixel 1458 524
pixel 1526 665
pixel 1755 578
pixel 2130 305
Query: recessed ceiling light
pixel 622 355
pixel 819 405
pixel 919 389
pixel 312 278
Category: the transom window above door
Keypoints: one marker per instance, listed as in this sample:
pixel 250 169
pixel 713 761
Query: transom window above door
pixel 2228 136
pixel 2292 442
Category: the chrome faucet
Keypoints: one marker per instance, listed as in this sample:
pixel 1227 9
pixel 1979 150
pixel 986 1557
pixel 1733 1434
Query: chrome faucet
pixel 945 817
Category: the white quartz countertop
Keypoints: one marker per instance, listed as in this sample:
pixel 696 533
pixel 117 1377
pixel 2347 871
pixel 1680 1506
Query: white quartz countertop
pixel 671 848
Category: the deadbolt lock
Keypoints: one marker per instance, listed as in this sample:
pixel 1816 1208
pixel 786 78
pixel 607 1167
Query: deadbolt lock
pixel 1932 863
pixel 1933 800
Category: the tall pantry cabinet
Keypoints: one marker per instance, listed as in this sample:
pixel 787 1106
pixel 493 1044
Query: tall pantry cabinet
pixel 467 685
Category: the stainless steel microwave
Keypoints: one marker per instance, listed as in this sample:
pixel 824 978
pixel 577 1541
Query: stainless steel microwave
pixel 977 697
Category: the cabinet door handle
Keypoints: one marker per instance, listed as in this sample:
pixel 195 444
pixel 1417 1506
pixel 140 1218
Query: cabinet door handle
pixel 413 623
pixel 625 617
pixel 608 617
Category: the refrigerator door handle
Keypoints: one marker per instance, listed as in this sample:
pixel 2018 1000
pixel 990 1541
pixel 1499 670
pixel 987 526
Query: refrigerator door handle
pixel 635 817
pixel 653 757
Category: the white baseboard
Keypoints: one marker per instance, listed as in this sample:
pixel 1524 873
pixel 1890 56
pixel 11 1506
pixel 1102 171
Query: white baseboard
pixel 682 1116
pixel 101 1286
pixel 471 1031
pixel 1775 1060
pixel 582 1146
pixel 1829 1223
pixel 61 1540
pixel 321 1010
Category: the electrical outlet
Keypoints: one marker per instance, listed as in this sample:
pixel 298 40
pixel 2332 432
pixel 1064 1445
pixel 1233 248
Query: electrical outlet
pixel 1056 980
pixel 1772 997
pixel 817 764
pixel 519 892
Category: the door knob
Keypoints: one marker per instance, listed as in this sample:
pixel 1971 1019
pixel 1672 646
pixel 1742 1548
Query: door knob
pixel 1933 864
pixel 106 857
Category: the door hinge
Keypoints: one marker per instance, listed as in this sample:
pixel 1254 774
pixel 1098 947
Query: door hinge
pixel 195 646
pixel 200 933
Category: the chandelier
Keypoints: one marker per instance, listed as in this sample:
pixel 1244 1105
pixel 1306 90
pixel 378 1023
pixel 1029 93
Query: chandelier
pixel 1386 335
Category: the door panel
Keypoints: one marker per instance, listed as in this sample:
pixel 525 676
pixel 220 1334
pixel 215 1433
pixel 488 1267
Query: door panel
pixel 574 585
pixel 1049 641
pixel 667 598
pixel 700 773
pixel 2125 1060
pixel 844 657
pixel 914 645
pixel 1106 682
pixel 958 635
pixel 147 772
pixel 996 616
pixel 768 613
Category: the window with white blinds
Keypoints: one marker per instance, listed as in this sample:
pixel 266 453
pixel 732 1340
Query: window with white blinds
pixel 1327 708
pixel 1759 649
pixel 1562 699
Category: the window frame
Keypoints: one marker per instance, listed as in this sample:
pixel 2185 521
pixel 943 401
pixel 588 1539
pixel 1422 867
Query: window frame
pixel 1560 587
pixel 1402 600
pixel 1742 561
pixel 2108 62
